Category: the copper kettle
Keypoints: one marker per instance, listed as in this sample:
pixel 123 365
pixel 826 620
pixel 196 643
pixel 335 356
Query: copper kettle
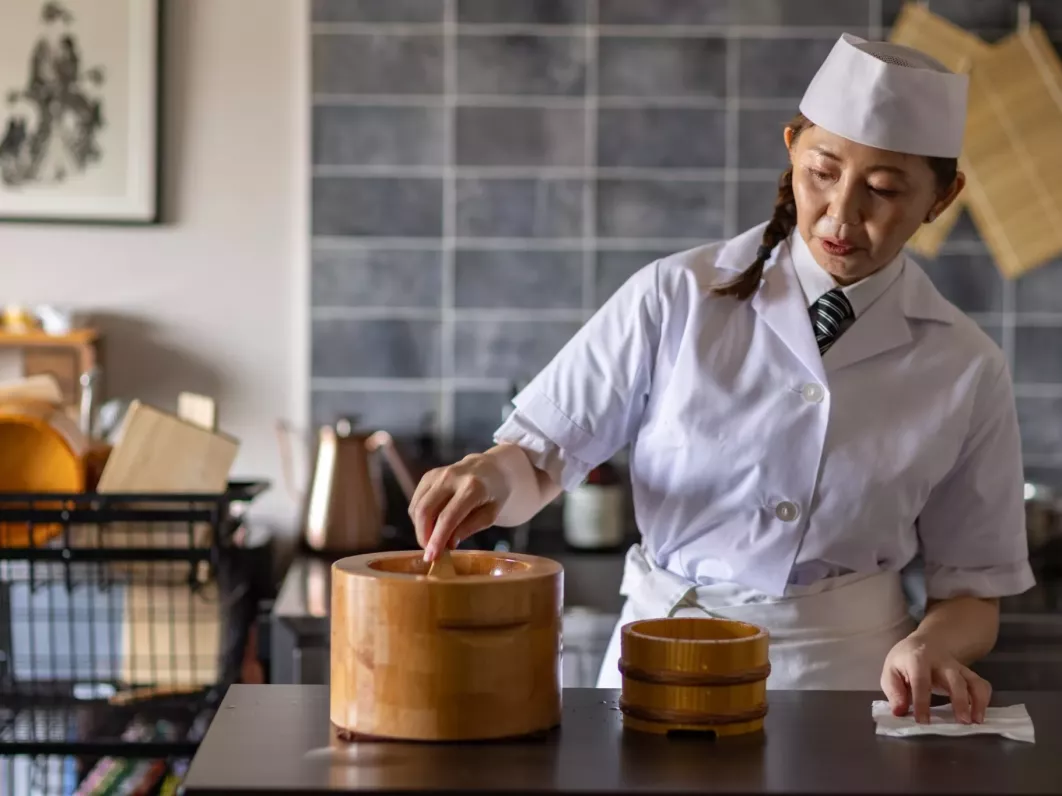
pixel 343 503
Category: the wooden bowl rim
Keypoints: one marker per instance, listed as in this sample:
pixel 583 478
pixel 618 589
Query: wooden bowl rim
pixel 632 629
pixel 539 567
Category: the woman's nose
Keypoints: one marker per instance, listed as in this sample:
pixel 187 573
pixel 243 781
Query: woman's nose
pixel 845 205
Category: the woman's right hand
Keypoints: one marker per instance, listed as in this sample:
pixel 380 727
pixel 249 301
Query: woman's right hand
pixel 452 503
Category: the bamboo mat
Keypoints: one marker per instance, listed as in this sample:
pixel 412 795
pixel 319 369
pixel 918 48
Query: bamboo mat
pixel 957 49
pixel 1013 151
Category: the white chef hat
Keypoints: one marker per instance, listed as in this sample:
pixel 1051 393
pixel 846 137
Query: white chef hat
pixel 888 96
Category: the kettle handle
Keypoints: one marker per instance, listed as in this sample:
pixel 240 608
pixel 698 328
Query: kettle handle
pixel 285 433
pixel 384 442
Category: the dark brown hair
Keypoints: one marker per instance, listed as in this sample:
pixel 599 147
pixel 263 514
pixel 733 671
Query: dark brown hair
pixel 784 218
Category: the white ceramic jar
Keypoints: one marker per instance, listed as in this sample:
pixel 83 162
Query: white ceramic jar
pixel 594 515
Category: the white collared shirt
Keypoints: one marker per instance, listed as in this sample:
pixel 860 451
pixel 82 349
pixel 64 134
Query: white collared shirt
pixel 816 281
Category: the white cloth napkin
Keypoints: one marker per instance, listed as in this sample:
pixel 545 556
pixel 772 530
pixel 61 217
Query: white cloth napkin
pixel 1011 722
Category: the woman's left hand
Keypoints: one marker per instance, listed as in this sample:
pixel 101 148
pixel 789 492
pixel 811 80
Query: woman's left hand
pixel 915 667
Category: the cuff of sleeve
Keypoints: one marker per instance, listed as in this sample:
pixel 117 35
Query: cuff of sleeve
pixel 943 583
pixel 544 451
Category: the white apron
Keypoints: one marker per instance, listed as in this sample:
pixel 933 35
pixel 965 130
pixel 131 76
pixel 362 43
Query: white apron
pixel 832 635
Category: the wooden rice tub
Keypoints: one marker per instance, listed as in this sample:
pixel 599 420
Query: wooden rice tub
pixel 698 674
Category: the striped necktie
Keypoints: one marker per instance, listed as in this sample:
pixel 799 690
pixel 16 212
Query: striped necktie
pixel 829 315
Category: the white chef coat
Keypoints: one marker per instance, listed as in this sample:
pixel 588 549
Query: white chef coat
pixel 754 458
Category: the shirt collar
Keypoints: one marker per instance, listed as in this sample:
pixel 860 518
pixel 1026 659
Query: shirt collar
pixel 815 281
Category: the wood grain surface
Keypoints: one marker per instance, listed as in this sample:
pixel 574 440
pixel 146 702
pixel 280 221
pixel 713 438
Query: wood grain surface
pixel 694 674
pixel 471 657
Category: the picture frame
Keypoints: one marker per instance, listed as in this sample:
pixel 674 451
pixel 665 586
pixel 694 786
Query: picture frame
pixel 80 126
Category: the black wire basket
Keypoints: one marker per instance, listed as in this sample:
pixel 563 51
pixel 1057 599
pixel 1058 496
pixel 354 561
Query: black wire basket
pixel 116 642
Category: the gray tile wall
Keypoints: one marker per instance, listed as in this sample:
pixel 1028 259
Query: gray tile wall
pixel 486 172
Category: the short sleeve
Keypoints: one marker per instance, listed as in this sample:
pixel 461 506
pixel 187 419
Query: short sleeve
pixel 972 528
pixel 588 401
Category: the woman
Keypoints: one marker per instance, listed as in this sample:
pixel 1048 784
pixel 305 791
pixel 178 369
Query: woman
pixel 806 414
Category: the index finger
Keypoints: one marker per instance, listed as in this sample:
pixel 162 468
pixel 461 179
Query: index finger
pixel 459 507
pixel 426 482
pixel 427 512
pixel 895 688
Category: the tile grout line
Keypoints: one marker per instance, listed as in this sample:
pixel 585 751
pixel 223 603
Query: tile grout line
pixel 1010 317
pixel 589 230
pixel 302 342
pixel 363 171
pixel 1022 390
pixel 877 21
pixel 1042 391
pixel 664 31
pixel 385 384
pixel 731 172
pixel 1048 319
pixel 358 242
pixel 1044 460
pixel 875 27
pixel 515 314
pixel 547 102
pixel 447 341
pixel 494 313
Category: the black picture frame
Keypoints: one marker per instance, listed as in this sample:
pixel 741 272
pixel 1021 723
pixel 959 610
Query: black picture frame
pixel 141 203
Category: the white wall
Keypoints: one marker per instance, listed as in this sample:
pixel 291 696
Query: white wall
pixel 214 299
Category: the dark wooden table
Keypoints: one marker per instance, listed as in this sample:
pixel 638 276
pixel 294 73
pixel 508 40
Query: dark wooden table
pixel 277 739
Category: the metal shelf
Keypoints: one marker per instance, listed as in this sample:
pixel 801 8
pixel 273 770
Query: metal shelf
pixel 116 636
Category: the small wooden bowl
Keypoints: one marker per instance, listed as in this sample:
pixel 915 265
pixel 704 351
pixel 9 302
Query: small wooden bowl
pixel 472 657
pixel 694 674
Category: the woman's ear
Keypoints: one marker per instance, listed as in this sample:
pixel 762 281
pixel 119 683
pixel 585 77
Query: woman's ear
pixel 789 135
pixel 944 202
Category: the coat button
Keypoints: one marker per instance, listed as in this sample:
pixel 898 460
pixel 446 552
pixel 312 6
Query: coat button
pixel 786 511
pixel 813 393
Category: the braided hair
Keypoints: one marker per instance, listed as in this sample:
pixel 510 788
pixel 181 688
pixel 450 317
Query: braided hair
pixel 784 218
pixel 783 222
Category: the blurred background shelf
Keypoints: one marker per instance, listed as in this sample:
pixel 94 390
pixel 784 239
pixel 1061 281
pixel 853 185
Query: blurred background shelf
pixel 119 636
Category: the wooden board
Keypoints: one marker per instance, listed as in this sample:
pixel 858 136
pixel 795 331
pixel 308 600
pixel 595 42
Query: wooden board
pixel 60 364
pixel 171 635
pixel 36 337
pixel 42 387
pixel 1013 157
pixel 198 409
pixel 158 452
pixel 957 49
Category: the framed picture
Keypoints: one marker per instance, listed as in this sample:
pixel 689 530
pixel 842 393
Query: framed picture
pixel 79 111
